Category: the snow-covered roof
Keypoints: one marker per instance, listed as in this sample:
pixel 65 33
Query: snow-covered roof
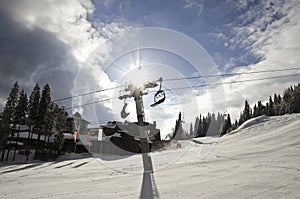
pixel 21 127
pixel 15 142
pixel 26 133
pixel 68 136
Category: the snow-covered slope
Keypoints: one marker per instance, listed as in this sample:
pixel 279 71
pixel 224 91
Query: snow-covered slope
pixel 260 160
pixel 251 122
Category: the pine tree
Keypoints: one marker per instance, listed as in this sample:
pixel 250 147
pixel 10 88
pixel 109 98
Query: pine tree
pixel 277 105
pixel 228 125
pixel 294 102
pixel 9 113
pixel 297 99
pixel 235 125
pixel 287 99
pixel 280 108
pixel 255 111
pixel 191 130
pixel 20 115
pixel 179 133
pixel 246 114
pixel 44 113
pixel 279 99
pixel 247 111
pixel 196 126
pixel 205 125
pixel 241 119
pixel 59 117
pixel 229 121
pixel 33 106
pixel 271 107
pixel 33 109
pixel 59 124
pixel 267 108
pixel 200 132
pixel 220 122
pixel 21 109
pixel 275 99
pixel 44 120
pixel 213 126
pixel 261 108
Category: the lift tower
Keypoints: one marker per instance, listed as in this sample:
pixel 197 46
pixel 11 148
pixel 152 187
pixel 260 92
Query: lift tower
pixel 143 135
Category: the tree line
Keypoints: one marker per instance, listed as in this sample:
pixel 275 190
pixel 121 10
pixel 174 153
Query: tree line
pixel 277 105
pixel 220 124
pixel 39 115
pixel 210 125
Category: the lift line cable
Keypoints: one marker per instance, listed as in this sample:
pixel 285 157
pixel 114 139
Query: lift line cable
pixel 90 103
pixel 233 82
pixel 175 79
pixel 89 93
pixel 232 74
pixel 197 86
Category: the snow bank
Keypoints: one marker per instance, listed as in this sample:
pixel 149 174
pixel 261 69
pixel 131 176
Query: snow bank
pixel 251 122
pixel 260 160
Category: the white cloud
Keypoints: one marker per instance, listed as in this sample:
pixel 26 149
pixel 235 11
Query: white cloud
pixel 279 46
pixel 260 24
pixel 269 31
pixel 198 5
pixel 66 19
pixel 68 22
pixel 239 4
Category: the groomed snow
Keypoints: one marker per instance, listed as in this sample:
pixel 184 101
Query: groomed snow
pixel 259 160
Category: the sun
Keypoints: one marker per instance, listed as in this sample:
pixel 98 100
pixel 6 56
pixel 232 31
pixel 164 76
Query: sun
pixel 138 76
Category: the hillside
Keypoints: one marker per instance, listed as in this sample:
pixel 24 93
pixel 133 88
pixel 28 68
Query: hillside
pixel 258 160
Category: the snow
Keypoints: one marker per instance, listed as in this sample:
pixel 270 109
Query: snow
pixel 68 136
pixel 33 135
pixel 259 160
pixel 251 122
pixel 21 127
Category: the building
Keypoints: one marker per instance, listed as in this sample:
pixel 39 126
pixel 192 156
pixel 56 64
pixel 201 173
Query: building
pixel 127 135
pixel 76 128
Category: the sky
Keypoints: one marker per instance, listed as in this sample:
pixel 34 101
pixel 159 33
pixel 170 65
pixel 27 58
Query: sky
pixel 79 46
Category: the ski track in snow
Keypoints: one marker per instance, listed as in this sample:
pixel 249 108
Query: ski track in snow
pixel 259 160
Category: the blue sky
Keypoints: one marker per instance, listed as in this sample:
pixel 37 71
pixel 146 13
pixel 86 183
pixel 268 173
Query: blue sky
pixel 201 20
pixel 56 46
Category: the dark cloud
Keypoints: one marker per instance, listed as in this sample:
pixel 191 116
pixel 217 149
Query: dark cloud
pixel 31 55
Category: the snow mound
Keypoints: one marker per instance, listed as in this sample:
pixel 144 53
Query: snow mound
pixel 252 122
pixel 266 129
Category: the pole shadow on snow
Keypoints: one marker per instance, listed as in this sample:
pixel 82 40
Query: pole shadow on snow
pixel 22 168
pixel 200 142
pixel 149 189
pixel 80 165
pixel 64 165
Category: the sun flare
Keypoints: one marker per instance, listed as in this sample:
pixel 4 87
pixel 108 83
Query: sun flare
pixel 138 76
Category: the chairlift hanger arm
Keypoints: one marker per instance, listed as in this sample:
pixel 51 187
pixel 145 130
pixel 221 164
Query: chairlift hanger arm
pixel 159 96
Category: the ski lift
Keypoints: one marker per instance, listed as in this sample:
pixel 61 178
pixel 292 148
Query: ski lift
pixel 124 114
pixel 159 96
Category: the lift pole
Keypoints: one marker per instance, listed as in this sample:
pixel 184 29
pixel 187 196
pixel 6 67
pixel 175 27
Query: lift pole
pixel 147 162
pixel 137 93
